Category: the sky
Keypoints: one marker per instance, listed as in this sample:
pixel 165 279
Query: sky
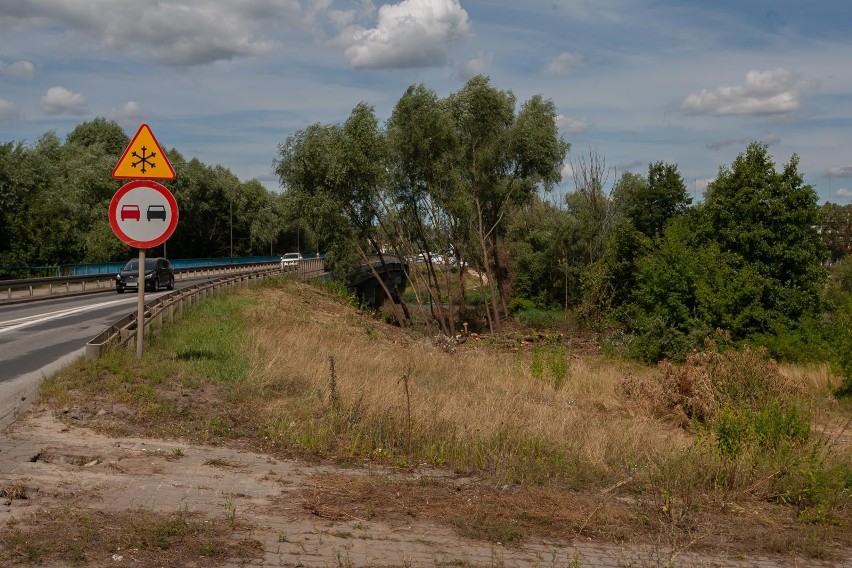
pixel 634 81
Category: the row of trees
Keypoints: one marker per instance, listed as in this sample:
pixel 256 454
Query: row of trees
pixel 443 175
pixel 54 204
pixel 749 262
pixel 468 175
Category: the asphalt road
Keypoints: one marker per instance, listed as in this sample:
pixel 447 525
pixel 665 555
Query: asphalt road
pixel 39 338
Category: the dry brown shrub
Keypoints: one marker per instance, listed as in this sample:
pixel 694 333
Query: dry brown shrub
pixel 698 388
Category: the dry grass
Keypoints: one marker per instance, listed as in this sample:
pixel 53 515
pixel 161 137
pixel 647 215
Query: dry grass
pixel 81 537
pixel 290 369
pixel 477 408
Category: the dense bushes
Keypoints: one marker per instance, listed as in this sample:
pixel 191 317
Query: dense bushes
pixel 753 430
pixel 748 260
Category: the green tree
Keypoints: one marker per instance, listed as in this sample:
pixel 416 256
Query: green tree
pixel 542 241
pixel 627 245
pixel 649 205
pixel 15 190
pixel 591 207
pixel 769 220
pixel 107 134
pixel 336 175
pixel 835 229
pixel 503 160
pixel 306 165
pixel 426 212
pixel 204 196
pixel 684 289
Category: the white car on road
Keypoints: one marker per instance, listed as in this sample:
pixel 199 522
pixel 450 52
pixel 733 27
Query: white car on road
pixel 290 260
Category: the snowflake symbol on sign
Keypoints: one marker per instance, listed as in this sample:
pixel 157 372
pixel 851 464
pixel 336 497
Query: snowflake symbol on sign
pixel 144 159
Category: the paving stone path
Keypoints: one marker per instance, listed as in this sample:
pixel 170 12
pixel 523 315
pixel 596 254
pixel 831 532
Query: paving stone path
pixel 61 465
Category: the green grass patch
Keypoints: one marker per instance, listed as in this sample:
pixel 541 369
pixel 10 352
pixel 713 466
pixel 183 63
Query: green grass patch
pixel 182 386
pixel 539 319
pixel 211 339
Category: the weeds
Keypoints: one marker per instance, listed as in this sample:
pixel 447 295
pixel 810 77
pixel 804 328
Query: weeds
pixel 733 427
pixel 754 436
pixel 404 381
pixel 550 363
pixel 231 511
pixel 78 537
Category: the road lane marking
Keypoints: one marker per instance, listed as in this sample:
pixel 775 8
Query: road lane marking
pixel 18 323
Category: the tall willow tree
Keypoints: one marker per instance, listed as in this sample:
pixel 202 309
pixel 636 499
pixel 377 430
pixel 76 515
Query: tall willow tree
pixel 504 159
pixel 429 209
pixel 445 173
pixel 334 176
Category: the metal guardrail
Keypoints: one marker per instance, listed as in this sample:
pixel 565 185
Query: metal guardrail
pixel 164 309
pixel 27 289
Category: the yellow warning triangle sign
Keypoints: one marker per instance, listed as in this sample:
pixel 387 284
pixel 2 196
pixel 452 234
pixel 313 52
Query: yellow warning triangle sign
pixel 143 159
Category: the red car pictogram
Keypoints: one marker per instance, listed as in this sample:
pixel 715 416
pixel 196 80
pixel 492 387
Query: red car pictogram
pixel 130 212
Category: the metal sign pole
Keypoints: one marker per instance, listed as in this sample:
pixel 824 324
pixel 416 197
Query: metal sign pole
pixel 140 306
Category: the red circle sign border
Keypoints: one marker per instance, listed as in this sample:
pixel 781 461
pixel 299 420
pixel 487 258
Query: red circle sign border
pixel 113 213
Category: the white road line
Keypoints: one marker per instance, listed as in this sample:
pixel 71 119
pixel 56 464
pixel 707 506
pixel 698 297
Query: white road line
pixel 14 324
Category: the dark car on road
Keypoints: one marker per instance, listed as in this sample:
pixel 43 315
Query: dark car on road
pixel 158 273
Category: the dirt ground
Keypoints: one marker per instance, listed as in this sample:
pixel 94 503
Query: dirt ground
pixel 291 513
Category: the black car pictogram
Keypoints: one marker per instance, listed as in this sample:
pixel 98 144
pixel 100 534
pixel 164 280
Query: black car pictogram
pixel 156 212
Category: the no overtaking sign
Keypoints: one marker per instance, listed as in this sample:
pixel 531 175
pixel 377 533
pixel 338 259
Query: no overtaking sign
pixel 143 214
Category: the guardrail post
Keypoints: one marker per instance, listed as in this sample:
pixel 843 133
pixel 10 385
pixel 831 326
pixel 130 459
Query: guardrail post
pixel 31 291
pixel 93 351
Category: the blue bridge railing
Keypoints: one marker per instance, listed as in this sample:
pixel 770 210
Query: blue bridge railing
pixel 111 267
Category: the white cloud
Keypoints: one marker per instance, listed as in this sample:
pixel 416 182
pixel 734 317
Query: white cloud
pixel 21 69
pixel 700 185
pixel 771 139
pixel 317 13
pixel 572 125
pixel 765 92
pixel 567 171
pixel 8 111
pixel 59 100
pixel 190 32
pixel 130 113
pixel 840 172
pixel 563 64
pixel 631 165
pixel 412 33
pixel 843 192
pixel 476 66
pixel 719 144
